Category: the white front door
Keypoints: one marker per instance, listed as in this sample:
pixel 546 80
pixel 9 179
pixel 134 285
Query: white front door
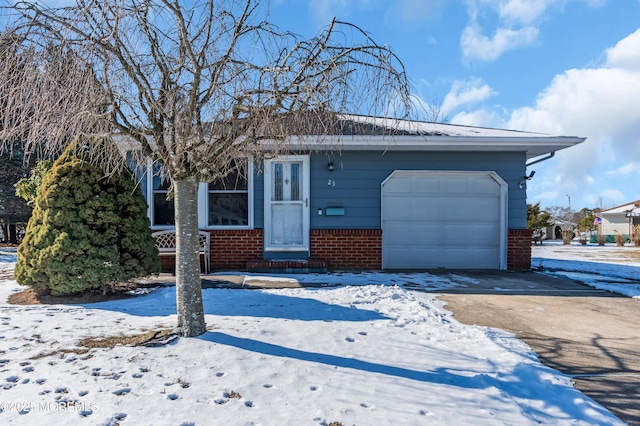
pixel 286 187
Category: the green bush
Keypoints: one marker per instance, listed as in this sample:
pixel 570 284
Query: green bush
pixel 87 231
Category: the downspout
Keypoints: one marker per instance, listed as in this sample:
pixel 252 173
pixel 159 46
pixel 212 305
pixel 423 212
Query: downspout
pixel 541 159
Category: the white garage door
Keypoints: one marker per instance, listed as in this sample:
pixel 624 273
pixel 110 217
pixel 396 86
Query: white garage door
pixel 439 219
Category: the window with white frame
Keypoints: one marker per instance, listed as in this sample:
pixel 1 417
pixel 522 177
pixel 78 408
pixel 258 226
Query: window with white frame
pixel 224 203
pixel 229 200
pixel 162 210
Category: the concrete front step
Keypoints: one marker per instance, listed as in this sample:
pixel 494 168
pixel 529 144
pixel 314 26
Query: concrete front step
pixel 287 266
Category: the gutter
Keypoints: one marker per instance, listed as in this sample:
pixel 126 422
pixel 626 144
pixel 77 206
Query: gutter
pixel 541 159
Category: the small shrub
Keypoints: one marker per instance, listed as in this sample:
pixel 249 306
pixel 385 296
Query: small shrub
pixel 567 236
pixel 602 239
pixel 583 238
pixel 620 240
pixel 635 235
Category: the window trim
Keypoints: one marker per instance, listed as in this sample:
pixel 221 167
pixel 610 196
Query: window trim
pixel 203 204
pixel 150 199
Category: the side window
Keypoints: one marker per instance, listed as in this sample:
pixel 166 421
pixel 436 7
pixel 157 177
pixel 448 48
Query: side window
pixel 228 200
pixel 162 211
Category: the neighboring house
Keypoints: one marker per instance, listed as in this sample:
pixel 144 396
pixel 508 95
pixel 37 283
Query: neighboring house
pixel 554 232
pixel 620 219
pixel 429 196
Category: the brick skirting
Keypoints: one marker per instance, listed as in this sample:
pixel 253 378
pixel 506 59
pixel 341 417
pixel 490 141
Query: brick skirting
pixel 233 248
pixel 339 248
pixel 230 249
pixel 519 249
pixel 348 248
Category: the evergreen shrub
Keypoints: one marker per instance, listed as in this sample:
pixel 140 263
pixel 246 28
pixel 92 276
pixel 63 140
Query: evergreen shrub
pixel 88 231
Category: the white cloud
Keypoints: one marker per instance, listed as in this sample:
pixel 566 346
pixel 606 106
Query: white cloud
pixel 464 93
pixel 513 30
pixel 625 170
pixel 477 46
pixel 614 195
pixel 599 103
pixel 624 54
pixel 478 118
pixel 524 11
pixel 517 25
pixel 589 180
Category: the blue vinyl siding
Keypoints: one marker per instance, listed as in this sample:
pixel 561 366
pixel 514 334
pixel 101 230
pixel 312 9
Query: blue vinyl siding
pixel 358 176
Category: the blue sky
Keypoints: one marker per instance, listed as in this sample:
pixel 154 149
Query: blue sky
pixel 565 67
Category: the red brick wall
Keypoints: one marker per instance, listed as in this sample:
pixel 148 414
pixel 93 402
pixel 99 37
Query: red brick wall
pixel 340 248
pixel 519 249
pixel 348 248
pixel 230 249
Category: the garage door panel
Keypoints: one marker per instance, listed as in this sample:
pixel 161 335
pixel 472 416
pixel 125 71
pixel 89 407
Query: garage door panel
pixel 458 211
pixel 486 187
pixel 456 185
pixel 483 236
pixel 442 221
pixel 425 186
pixel 404 235
pixel 455 235
pixel 399 187
pixel 422 206
pixel 486 204
pixel 399 234
pixel 407 258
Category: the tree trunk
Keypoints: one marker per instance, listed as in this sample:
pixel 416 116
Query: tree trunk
pixel 188 286
pixel 13 234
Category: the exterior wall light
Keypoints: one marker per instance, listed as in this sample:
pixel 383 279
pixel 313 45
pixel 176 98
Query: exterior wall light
pixel 330 166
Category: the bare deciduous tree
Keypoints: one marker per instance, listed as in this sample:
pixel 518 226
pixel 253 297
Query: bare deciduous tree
pixel 193 88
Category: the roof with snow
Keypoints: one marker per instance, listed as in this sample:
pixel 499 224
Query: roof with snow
pixel 632 208
pixel 356 132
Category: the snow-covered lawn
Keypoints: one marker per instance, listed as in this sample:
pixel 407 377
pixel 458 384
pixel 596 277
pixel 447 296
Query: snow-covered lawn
pixel 608 267
pixel 367 353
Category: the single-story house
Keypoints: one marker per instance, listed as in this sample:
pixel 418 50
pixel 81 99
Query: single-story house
pixel 426 196
pixel 619 220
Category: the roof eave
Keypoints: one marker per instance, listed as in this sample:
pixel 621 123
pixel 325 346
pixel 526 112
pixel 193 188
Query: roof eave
pixel 533 146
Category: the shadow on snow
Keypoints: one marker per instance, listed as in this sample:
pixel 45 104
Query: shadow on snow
pixel 251 303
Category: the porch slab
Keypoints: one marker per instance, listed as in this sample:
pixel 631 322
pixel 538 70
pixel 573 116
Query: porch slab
pixel 230 281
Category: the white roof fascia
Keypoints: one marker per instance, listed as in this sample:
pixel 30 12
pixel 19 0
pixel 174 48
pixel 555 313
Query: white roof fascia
pixel 533 146
pixel 623 209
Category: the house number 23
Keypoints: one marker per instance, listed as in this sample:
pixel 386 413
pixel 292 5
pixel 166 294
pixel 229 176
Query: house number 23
pixel 331 182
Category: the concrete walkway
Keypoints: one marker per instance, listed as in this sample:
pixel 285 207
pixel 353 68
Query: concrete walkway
pixel 239 281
